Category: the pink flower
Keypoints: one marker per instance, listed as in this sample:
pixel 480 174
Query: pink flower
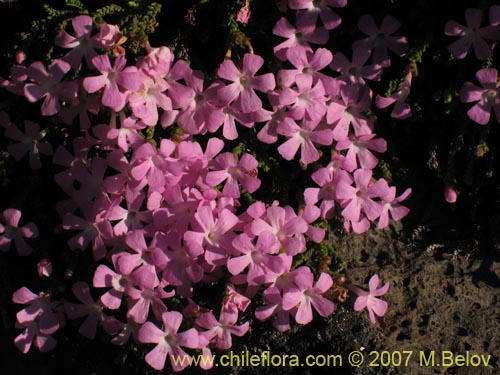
pixel 119 282
pixel 40 319
pixel 358 200
pixel 305 137
pixel 375 306
pixel 306 296
pixel 168 341
pixel 28 143
pixel 82 44
pixel 487 97
pixel 381 39
pixel 297 37
pixel 94 312
pixel 199 109
pixel 305 62
pixel 229 170
pixel 148 98
pixel 391 206
pixel 356 71
pixel 220 331
pixel 147 297
pixel 9 231
pixel 309 10
pixel 273 297
pixel 327 179
pixel 18 75
pixel 348 110
pixel 182 268
pixel 471 35
pixel 401 110
pixel 259 258
pixel 116 81
pixel 285 225
pixel 359 148
pixel 307 101
pixel 241 91
pixel 48 85
pixel 215 235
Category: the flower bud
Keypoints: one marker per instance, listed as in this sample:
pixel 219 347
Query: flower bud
pixel 20 57
pixel 44 268
pixel 450 194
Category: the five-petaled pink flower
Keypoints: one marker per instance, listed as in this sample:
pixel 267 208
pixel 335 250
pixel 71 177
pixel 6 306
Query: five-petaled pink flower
pixel 29 143
pixel 380 39
pixel 168 342
pixel 310 10
pixel 471 35
pixel 487 97
pixel 10 231
pixel 48 85
pixel 374 305
pixel 306 295
pixel 241 91
pixel 116 81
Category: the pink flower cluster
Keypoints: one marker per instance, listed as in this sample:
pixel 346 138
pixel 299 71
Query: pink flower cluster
pixel 164 216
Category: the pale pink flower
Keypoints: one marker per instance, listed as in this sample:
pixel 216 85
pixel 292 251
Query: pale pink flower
pixel 245 82
pixel 212 234
pixel 82 44
pixel 40 309
pixel 471 35
pixel 48 85
pixel 94 312
pixel 10 231
pixel 393 207
pixel 29 143
pixel 487 96
pixel 401 109
pixel 305 137
pixel 258 258
pixel 119 282
pixel 273 306
pixel 359 150
pixel 40 319
pixel 348 110
pixel 359 199
pixel 305 62
pixel 380 39
pixel 306 295
pixel 297 37
pixel 116 81
pixel 307 100
pixel 356 71
pixel 228 169
pixel 285 225
pixel 374 305
pixel 310 10
pixel 168 341
pixel 220 331
pixel 327 179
